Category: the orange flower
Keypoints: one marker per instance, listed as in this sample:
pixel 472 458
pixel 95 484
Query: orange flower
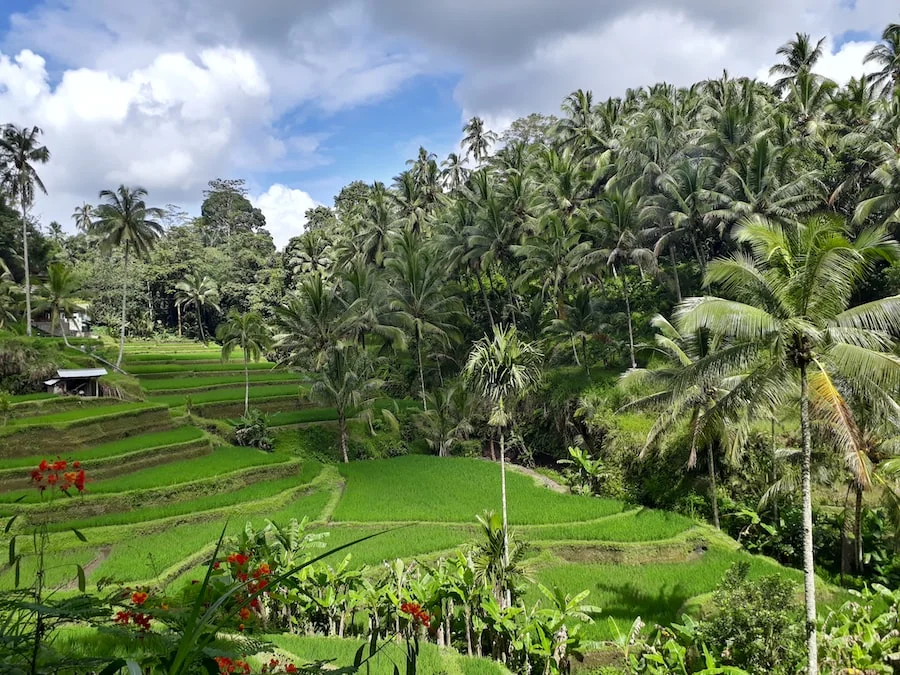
pixel 70 476
pixel 139 598
pixel 244 613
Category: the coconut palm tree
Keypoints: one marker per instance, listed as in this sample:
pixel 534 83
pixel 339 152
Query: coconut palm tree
pixel 663 388
pixel 10 297
pixel 248 333
pixel 20 152
pixel 886 55
pixel 59 295
pixel 346 383
pixel 201 292
pixel 500 370
pixel 124 220
pixel 418 296
pixel 448 418
pixel 477 140
pixel 800 55
pixel 580 321
pixel 454 173
pixel 83 216
pixel 791 324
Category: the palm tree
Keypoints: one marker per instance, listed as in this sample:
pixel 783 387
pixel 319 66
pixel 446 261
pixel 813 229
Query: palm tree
pixel 791 323
pixel 83 217
pixel 454 173
pixel 886 54
pixel 500 370
pixel 799 56
pixel 447 419
pixel 58 294
pixel 10 300
pixel 20 151
pixel 619 213
pixel 580 320
pixel 311 322
pixel 418 296
pixel 347 384
pixel 125 220
pixel 477 140
pixel 249 333
pixel 200 291
pixel 663 388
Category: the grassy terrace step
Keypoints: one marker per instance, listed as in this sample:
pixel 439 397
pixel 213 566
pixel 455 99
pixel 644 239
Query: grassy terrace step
pixel 54 404
pixel 455 490
pixel 210 356
pixel 312 414
pixel 155 370
pixel 24 398
pixel 123 446
pixel 197 508
pixel 257 392
pixel 173 385
pixel 222 461
pixel 69 431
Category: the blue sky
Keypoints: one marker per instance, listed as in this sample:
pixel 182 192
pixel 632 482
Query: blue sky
pixel 300 98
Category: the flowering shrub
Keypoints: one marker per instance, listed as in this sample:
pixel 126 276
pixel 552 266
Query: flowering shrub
pixel 416 613
pixel 58 475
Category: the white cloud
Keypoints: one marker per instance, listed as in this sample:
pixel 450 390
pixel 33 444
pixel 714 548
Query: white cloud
pixel 846 62
pixel 284 208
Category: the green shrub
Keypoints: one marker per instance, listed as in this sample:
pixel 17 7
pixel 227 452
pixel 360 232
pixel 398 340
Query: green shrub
pixel 252 431
pixel 757 624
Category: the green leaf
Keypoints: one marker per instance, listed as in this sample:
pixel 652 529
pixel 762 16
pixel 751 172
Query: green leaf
pixel 9 524
pixel 82 584
pixel 133 667
pixel 12 550
pixel 113 667
pixel 79 535
pixel 357 660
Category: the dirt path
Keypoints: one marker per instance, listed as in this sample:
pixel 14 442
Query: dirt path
pixel 540 478
pixel 95 562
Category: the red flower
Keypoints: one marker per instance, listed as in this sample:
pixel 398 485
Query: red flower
pixel 415 611
pixel 216 565
pixel 44 465
pixel 262 570
pixel 60 465
pixel 79 480
pixel 37 476
pixel 142 621
pixel 52 478
pixel 290 668
pixel 139 598
pixel 76 465
pixel 123 618
pixel 244 613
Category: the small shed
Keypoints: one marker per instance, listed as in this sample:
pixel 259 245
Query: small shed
pixel 80 381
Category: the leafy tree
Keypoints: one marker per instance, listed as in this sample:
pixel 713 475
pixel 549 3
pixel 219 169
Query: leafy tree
pixel 500 370
pixel 226 211
pixel 124 220
pixel 447 419
pixel 20 152
pixel 791 323
pixel 248 333
pixel 83 216
pixel 800 55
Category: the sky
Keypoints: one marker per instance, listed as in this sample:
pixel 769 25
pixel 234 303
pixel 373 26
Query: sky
pixel 300 97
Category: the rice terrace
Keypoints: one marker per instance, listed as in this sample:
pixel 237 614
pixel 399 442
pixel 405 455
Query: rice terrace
pixel 607 391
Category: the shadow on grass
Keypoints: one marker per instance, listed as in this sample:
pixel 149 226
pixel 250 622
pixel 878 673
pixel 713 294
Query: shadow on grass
pixel 628 601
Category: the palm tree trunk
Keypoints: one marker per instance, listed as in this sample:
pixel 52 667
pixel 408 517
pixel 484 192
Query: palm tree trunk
pixel 575 351
pixel 200 323
pixel 506 591
pixel 675 272
pixel 246 384
pixel 809 572
pixel 421 370
pixel 178 311
pixel 628 316
pixel 27 268
pixel 587 365
pixel 857 531
pixel 124 298
pixel 713 495
pixel 342 423
pixel 62 329
pixel 700 259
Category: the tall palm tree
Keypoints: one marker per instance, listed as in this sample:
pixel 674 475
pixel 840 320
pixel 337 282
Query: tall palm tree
pixel 248 333
pixel 500 370
pixel 418 296
pixel 800 55
pixel 10 300
pixel 20 152
pixel 347 383
pixel 84 217
pixel 59 294
pixel 454 172
pixel 579 322
pixel 477 140
pixel 886 54
pixel 124 220
pixel 791 323
pixel 619 214
pixel 448 418
pixel 201 292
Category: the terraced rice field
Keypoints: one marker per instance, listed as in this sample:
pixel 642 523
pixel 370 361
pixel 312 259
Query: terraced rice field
pixel 158 498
